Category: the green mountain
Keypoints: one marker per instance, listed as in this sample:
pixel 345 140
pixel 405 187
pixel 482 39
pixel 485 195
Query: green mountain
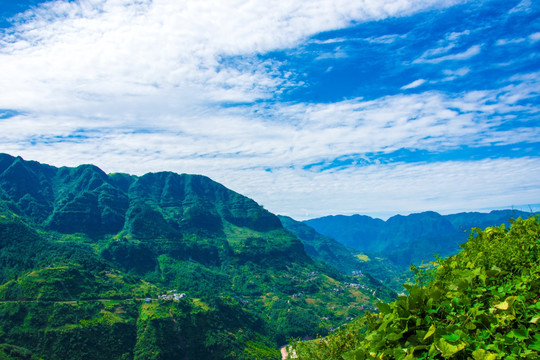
pixel 159 266
pixel 412 239
pixel 357 231
pixel 321 247
pixel 409 239
pixel 331 252
pixel 468 220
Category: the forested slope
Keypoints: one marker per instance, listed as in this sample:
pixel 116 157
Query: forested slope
pixel 81 251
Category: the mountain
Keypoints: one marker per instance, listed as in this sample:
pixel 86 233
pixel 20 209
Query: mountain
pixel 331 252
pixel 350 230
pixel 415 238
pixel 85 199
pixel 321 247
pixel 468 220
pixel 409 239
pixel 159 266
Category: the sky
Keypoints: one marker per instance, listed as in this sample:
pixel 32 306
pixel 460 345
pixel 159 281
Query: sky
pixel 311 108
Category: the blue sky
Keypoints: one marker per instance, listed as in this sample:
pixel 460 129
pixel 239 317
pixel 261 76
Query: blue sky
pixel 311 108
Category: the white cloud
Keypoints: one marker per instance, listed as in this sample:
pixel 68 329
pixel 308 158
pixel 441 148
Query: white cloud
pixel 385 39
pixel 337 53
pixel 453 36
pixel 534 37
pixel 281 136
pixel 73 55
pixel 414 84
pixel 523 6
pixel 503 42
pixel 465 55
pixel 447 187
pixel 454 74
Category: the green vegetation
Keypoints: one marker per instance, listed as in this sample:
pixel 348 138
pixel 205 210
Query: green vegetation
pixel 81 251
pixel 322 248
pixel 480 304
pixel 408 239
pixel 11 352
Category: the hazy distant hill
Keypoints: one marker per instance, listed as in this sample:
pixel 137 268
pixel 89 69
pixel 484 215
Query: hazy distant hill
pixel 349 229
pixel 80 250
pixel 409 239
pixel 468 220
pixel 321 247
pixel 347 260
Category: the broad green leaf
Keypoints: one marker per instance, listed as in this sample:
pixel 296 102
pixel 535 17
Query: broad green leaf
pixel 394 336
pixel 535 345
pixel 519 334
pixel 430 332
pixel 447 349
pixel 502 306
pixel 481 354
pixel 452 337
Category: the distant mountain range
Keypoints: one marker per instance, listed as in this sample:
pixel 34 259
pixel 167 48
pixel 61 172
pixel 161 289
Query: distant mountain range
pixel 409 239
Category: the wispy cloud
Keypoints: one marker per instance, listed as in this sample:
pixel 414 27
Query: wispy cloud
pixel 454 74
pixel 523 6
pixel 286 135
pixel 430 58
pixel 414 84
pixel 534 37
pixel 66 54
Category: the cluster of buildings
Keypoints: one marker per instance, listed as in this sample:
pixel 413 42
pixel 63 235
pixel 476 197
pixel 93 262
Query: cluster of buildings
pixel 172 295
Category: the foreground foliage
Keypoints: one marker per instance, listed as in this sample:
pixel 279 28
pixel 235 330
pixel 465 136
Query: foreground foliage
pixel 480 304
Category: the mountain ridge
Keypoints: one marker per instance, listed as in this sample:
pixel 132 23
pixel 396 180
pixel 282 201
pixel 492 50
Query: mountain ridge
pixel 409 239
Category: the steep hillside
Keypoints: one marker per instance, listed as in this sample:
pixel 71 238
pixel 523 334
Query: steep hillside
pixel 80 250
pixel 331 252
pixel 357 231
pixel 321 247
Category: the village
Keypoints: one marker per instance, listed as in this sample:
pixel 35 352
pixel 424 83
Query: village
pixel 171 295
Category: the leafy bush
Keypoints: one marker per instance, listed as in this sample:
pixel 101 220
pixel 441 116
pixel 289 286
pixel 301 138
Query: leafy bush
pixel 480 304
